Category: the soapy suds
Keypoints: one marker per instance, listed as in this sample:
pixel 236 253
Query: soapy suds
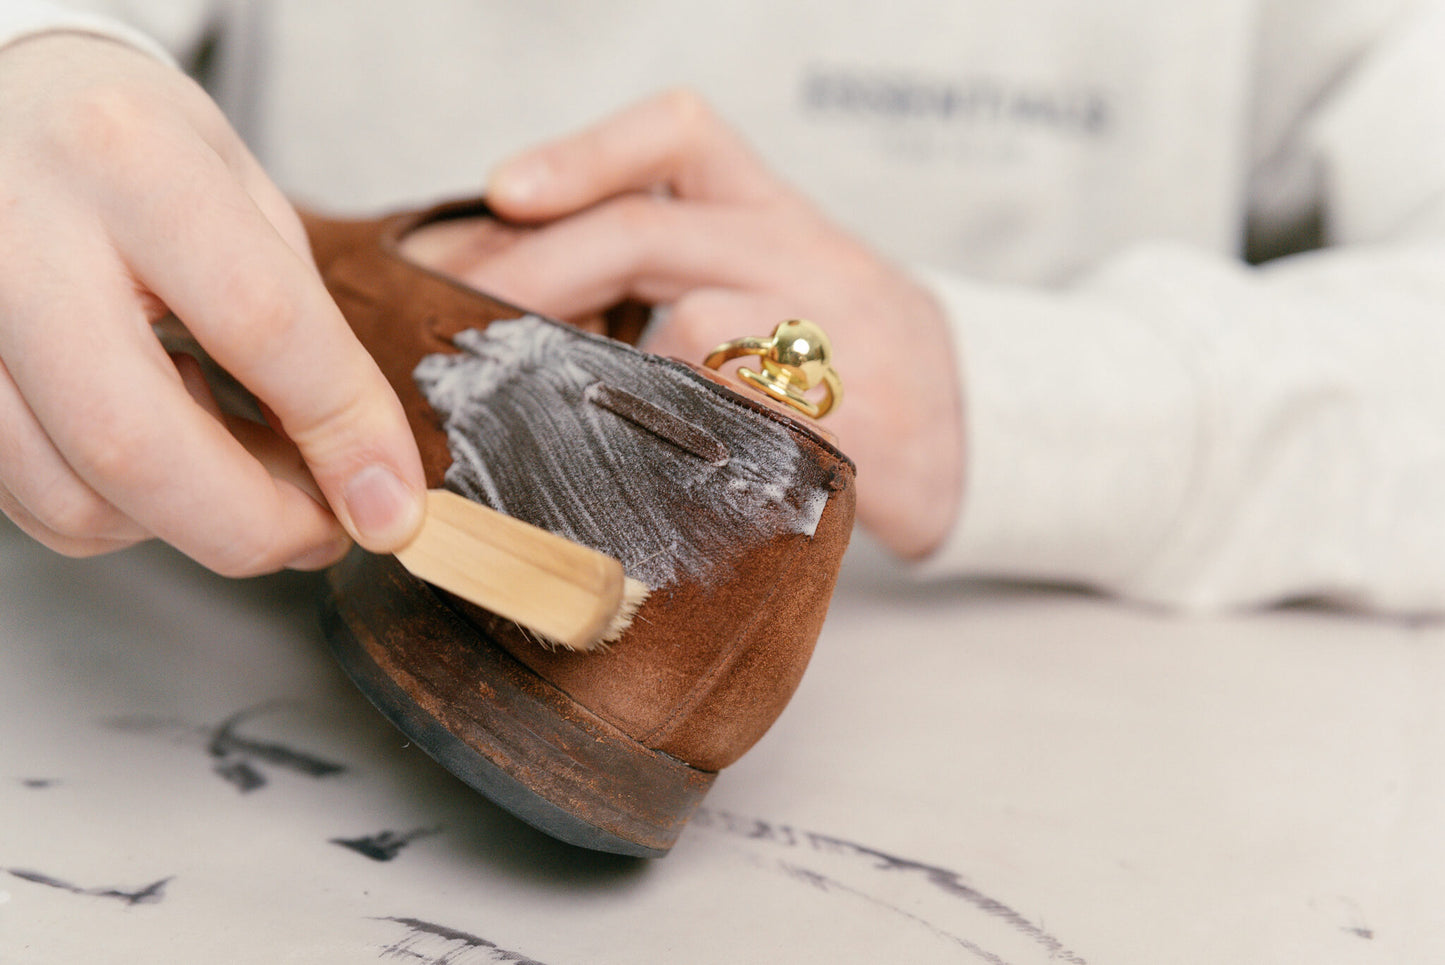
pixel 616 449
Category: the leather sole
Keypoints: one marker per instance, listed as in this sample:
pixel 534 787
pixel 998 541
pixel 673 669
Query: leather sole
pixel 498 726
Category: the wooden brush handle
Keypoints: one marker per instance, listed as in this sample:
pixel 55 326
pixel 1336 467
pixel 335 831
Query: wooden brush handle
pixel 566 592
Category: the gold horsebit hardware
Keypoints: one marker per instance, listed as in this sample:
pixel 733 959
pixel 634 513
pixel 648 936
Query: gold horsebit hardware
pixel 797 359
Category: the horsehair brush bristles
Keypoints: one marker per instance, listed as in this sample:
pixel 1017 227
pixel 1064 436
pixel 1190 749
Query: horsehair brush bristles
pixel 569 595
pixel 634 594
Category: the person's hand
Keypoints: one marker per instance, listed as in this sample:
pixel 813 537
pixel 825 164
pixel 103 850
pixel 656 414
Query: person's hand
pixel 665 204
pixel 124 197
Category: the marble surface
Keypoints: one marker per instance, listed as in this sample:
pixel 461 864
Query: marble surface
pixel 968 774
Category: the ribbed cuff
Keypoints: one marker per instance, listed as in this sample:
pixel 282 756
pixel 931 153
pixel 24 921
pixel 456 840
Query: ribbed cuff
pixel 21 19
pixel 1081 429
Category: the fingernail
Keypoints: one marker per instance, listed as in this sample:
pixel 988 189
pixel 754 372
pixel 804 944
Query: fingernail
pixel 383 509
pixel 322 556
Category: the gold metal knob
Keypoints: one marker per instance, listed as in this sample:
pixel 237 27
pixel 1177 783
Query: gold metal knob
pixel 797 359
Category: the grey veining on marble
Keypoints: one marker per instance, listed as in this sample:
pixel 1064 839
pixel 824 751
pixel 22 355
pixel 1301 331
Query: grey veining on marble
pixel 968 774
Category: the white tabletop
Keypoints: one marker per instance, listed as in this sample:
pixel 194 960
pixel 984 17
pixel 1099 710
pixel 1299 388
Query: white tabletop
pixel 968 774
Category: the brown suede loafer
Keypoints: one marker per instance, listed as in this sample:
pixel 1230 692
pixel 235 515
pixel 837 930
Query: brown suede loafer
pixel 734 514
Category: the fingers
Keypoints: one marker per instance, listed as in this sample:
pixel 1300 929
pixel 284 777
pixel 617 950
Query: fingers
pixel 127 195
pixel 454 245
pixel 271 449
pixel 118 415
pixel 672 142
pixel 54 539
pixel 636 246
pixel 658 200
pixel 274 206
pixel 259 308
pixel 274 451
pixel 704 318
pixel 40 492
pixel 665 204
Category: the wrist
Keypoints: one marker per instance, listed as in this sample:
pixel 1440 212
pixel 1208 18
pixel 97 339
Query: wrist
pixel 908 436
pixel 24 20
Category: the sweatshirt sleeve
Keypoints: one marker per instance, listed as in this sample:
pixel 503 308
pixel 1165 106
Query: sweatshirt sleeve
pixel 26 18
pixel 1186 430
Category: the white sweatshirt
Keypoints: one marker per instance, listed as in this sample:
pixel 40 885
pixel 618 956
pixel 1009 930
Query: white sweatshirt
pixel 1145 412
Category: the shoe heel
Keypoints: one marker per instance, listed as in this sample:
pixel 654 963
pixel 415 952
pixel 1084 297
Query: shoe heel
pixel 497 725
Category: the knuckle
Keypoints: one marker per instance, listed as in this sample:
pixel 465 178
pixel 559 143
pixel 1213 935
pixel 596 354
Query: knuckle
pixel 348 422
pixel 75 514
pixel 693 328
pixel 262 317
pixel 244 557
pixel 648 225
pixel 691 116
pixel 116 450
pixel 335 435
pixel 688 108
pixel 266 541
pixel 74 548
pixel 242 544
pixel 101 122
pixel 249 542
pixel 636 214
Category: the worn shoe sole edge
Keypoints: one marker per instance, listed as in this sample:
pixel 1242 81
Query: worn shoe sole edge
pixel 498 727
